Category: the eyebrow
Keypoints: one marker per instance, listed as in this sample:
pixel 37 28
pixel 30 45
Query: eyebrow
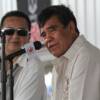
pixel 51 27
pixel 48 28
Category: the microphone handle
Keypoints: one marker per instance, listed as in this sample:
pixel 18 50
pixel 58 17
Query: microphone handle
pixel 11 56
pixel 37 45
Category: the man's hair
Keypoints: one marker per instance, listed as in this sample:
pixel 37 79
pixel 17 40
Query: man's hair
pixel 16 13
pixel 64 14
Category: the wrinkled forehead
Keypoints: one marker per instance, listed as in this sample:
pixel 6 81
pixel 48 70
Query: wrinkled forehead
pixel 15 22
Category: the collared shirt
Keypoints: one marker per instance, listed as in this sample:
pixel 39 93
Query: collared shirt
pixel 76 74
pixel 28 79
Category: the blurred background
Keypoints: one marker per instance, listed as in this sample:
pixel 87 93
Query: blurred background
pixel 87 13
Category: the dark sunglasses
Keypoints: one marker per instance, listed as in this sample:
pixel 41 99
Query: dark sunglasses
pixel 11 31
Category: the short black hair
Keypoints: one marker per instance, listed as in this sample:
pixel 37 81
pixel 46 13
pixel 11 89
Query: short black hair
pixel 64 14
pixel 16 13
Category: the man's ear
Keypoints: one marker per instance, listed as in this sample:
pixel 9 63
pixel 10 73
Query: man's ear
pixel 71 27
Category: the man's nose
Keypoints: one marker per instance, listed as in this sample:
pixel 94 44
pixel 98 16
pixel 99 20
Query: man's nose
pixel 15 34
pixel 48 38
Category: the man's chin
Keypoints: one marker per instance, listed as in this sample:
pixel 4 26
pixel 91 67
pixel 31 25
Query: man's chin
pixel 54 54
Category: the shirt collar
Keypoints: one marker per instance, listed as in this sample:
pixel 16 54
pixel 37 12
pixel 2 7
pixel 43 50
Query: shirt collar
pixel 69 55
pixel 21 61
pixel 77 44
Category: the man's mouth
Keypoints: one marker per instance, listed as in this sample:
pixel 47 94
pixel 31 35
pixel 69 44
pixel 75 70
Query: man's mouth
pixel 51 46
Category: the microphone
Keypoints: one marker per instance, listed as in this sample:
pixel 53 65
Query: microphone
pixel 38 45
pixel 28 48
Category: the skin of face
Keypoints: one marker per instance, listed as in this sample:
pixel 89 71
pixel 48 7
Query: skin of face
pixel 15 42
pixel 58 38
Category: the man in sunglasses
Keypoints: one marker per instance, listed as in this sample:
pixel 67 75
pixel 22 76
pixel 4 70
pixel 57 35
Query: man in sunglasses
pixel 28 73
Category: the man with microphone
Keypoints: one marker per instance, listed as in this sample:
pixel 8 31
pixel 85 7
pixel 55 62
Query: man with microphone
pixel 27 68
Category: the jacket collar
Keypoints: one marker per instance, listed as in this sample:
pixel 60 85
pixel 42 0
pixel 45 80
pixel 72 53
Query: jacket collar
pixel 77 44
pixel 69 55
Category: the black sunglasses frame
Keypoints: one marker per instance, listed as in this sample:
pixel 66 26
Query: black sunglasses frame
pixel 11 31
